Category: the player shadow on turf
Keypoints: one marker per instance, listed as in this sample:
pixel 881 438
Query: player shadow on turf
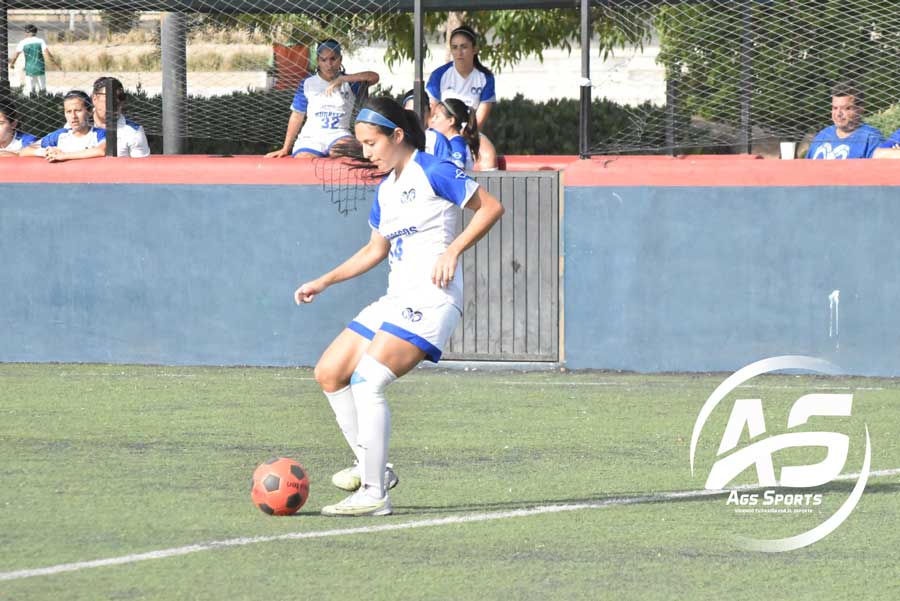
pixel 628 498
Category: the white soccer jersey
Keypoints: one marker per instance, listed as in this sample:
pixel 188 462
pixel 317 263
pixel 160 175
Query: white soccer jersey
pixel 418 213
pixel 446 82
pixel 19 142
pixel 131 141
pixel 326 116
pixel 66 141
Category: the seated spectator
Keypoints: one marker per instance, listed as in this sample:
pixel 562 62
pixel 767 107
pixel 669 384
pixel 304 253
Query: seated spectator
pixel 436 143
pixel 457 121
pixel 890 148
pixel 11 139
pixel 328 98
pixel 78 140
pixel 131 141
pixel 849 137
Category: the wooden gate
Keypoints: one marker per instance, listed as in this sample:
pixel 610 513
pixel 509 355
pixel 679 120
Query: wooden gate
pixel 511 277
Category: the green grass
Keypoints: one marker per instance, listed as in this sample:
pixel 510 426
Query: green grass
pixel 106 461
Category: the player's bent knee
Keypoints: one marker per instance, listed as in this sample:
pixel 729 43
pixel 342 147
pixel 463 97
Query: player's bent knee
pixel 330 377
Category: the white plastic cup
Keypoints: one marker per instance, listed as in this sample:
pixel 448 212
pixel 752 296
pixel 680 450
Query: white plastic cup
pixel 788 150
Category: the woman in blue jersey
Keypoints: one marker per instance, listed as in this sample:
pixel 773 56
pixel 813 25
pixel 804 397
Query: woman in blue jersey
pixel 457 122
pixel 415 225
pixel 436 143
pixel 323 106
pixel 12 141
pixel 77 140
pixel 467 79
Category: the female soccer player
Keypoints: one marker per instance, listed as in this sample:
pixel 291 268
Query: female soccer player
pixel 131 141
pixel 78 140
pixel 436 143
pixel 414 223
pixel 12 141
pixel 457 122
pixel 327 98
pixel 467 79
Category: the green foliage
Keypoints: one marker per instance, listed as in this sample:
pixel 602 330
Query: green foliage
pixel 887 121
pixel 522 126
pixel 798 50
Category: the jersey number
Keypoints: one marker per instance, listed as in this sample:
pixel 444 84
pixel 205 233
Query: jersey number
pixel 396 253
pixel 330 121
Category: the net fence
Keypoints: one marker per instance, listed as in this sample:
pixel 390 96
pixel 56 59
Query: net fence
pixel 242 69
pixel 744 72
pixel 713 75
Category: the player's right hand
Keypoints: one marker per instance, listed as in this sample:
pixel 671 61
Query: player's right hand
pixel 307 292
pixel 277 154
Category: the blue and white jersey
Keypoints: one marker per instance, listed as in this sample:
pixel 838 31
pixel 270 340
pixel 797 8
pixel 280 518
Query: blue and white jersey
pixel 418 213
pixel 19 142
pixel 858 145
pixel 892 142
pixel 460 153
pixel 446 82
pixel 436 144
pixel 67 141
pixel 324 112
pixel 131 141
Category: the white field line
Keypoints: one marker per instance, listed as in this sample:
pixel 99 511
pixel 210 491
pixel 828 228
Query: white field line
pixel 462 519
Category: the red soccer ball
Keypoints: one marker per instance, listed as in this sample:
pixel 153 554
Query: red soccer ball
pixel 280 486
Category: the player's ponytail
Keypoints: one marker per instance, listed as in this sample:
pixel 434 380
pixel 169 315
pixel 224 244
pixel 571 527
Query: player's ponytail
pixel 465 122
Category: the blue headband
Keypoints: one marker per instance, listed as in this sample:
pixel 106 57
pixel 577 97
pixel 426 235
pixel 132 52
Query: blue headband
pixel 329 45
pixel 370 116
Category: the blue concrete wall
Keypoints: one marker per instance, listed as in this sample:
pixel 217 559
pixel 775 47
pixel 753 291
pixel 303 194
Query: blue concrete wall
pixel 174 274
pixel 656 279
pixel 697 279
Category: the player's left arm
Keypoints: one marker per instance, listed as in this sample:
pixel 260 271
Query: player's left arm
pixel 369 78
pixel 15 56
pixel 55 155
pixel 482 113
pixel 488 211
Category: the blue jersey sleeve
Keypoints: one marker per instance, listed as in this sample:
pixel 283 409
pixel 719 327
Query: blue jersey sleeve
pixel 450 182
pixel 52 139
pixel 434 82
pixel 101 134
pixel 892 141
pixel 441 148
pixel 27 139
pixel 300 102
pixel 487 93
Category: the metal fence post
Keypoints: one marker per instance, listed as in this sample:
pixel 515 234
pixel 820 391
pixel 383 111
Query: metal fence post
pixel 173 36
pixel 112 121
pixel 584 121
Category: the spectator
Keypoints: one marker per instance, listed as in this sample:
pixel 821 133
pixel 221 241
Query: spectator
pixel 436 143
pixel 849 137
pixel 131 141
pixel 467 79
pixel 11 139
pixel 328 97
pixel 78 140
pixel 890 148
pixel 35 51
pixel 457 121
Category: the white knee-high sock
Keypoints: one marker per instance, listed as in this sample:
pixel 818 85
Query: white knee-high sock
pixel 374 419
pixel 344 408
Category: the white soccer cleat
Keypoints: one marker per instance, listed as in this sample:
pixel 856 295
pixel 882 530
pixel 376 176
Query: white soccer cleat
pixel 349 479
pixel 360 504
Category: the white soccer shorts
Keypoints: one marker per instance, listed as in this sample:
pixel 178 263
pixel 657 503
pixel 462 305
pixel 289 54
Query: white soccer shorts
pixel 429 327
pixel 319 142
